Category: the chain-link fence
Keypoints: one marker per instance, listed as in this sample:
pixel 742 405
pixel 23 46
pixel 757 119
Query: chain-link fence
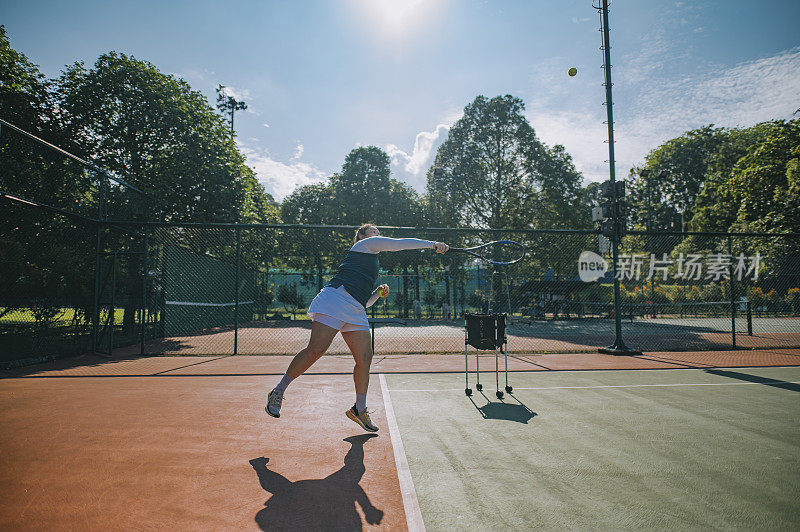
pixel 64 274
pixel 239 289
pixel 76 279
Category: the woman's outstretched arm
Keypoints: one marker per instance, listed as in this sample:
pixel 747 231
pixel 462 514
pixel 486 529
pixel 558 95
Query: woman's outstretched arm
pixel 375 244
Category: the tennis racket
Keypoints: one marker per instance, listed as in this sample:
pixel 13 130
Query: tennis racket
pixel 499 252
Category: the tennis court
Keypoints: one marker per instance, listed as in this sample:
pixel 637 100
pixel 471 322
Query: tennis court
pixel 585 441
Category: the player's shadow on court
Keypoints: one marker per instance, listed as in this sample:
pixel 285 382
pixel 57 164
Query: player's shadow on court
pixel 505 409
pixel 318 504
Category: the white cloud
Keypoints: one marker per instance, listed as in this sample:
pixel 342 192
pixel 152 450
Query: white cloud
pixel 298 152
pixel 412 167
pixel 265 124
pixel 240 95
pixel 652 113
pixel 581 134
pixel 280 179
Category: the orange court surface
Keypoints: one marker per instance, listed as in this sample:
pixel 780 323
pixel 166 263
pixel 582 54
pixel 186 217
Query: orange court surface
pixel 183 443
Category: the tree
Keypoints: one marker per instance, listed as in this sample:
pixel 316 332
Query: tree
pixel 42 255
pixel 560 202
pixel 765 182
pixel 495 173
pixel 153 131
pixel 684 162
pixel 311 249
pixel 715 207
pixel 362 190
pixel 24 90
pixel 488 165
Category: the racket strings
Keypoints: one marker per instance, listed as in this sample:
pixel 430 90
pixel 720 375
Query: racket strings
pixel 501 252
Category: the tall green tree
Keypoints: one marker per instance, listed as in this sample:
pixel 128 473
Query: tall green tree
pixel 308 249
pixel 153 130
pixel 683 163
pixel 488 165
pixel 45 260
pixel 24 90
pixel 362 189
pixel 560 202
pixel 497 174
pixel 716 207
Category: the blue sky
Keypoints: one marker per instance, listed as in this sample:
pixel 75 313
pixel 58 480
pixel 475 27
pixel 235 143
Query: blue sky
pixel 322 77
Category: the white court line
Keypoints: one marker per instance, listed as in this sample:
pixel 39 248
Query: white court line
pixel 615 386
pixel 410 502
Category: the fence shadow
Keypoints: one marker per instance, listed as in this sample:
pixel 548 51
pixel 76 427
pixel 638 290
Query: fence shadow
pixel 784 385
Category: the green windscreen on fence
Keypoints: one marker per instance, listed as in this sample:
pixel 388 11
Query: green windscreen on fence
pixel 199 292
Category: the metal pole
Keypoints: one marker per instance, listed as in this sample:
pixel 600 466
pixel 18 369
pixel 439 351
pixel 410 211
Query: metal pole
pixel 618 347
pixel 113 313
pixel 650 242
pixel 733 294
pixel 101 218
pixel 144 292
pixel 236 292
pixel 452 257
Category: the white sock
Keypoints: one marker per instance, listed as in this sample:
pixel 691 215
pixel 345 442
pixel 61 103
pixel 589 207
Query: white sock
pixel 281 387
pixel 361 402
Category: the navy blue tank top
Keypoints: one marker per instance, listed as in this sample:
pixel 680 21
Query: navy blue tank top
pixel 358 273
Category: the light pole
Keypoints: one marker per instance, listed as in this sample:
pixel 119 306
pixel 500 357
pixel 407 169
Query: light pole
pixel 228 104
pixel 618 347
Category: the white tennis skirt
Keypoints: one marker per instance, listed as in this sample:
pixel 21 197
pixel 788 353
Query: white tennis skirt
pixel 336 308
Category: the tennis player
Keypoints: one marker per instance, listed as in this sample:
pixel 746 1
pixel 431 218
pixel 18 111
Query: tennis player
pixel 341 307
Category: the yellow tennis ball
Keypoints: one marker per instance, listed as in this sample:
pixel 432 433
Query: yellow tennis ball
pixel 572 71
pixel 384 292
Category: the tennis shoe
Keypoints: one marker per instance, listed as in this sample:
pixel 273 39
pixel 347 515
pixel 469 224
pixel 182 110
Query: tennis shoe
pixel 362 418
pixel 274 402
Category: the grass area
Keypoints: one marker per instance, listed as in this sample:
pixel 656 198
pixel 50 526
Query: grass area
pixel 64 317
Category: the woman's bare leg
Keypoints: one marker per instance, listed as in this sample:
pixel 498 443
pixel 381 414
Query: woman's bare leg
pixel 360 344
pixel 321 338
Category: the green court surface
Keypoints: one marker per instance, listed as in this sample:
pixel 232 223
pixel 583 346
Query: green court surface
pixel 664 449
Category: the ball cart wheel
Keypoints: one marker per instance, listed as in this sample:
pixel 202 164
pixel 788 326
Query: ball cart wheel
pixel 499 395
pixel 509 389
pixel 468 391
pixel 479 387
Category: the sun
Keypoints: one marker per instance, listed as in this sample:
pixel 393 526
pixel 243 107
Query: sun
pixel 393 17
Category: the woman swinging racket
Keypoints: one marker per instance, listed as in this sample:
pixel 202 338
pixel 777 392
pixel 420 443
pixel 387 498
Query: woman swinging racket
pixel 341 307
